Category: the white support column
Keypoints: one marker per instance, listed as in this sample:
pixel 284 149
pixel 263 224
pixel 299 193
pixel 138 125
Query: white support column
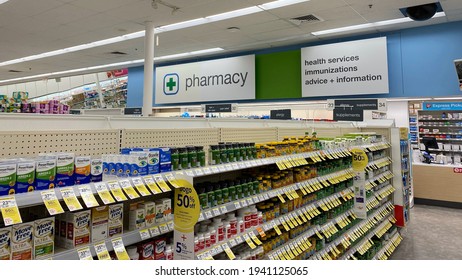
pixel 148 69
pixel 100 91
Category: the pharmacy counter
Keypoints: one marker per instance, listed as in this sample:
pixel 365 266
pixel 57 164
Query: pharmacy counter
pixel 436 184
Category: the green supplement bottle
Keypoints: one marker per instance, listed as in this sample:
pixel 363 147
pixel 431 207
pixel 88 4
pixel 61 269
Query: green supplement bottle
pixel 211 201
pixel 175 159
pixel 225 192
pixel 232 191
pixel 203 197
pixel 214 155
pixel 237 152
pixel 183 156
pixel 200 156
pixel 218 194
pixel 238 186
pixel 253 148
pixel 243 153
pixel 256 186
pixel 223 153
pixel 230 152
pixel 192 157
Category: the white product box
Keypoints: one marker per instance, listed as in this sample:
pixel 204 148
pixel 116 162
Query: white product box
pixel 44 238
pixel 116 220
pixel 137 218
pixel 5 243
pixel 78 229
pixel 167 208
pixel 159 212
pixel 447 147
pixel 22 241
pixel 455 147
pixel 150 210
pixel 99 223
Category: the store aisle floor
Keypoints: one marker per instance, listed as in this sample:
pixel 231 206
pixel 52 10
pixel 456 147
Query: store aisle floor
pixel 433 234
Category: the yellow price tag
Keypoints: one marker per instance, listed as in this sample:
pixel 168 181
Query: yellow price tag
pixel 228 251
pixel 152 185
pixel 128 189
pixel 51 202
pixel 140 187
pixel 103 193
pixel 10 211
pixel 101 251
pixel 87 196
pixel 70 199
pixel 85 254
pixel 161 183
pixel 281 198
pixel 119 249
pixel 255 238
pixel 116 191
pixel 276 229
pixel 284 224
pixel 249 242
pixel 289 196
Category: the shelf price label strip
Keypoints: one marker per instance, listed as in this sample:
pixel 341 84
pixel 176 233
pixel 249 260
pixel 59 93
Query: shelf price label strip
pixel 9 210
pixel 70 199
pixel 103 193
pixel 87 196
pixel 51 202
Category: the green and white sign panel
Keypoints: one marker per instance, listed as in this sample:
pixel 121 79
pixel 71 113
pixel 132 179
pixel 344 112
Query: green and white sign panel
pixel 213 80
pixel 356 67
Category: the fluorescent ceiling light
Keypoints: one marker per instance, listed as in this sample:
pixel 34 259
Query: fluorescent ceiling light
pixel 99 43
pixel 235 13
pixel 369 25
pixel 112 65
pixel 447 98
pixel 407 99
pixel 165 28
pixel 280 4
pixel 3 1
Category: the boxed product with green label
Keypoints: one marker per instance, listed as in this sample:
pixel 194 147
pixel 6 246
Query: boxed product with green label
pixel 5 243
pixel 82 170
pixel 44 238
pixel 153 160
pixel 25 180
pixel 65 169
pixel 8 174
pixel 45 173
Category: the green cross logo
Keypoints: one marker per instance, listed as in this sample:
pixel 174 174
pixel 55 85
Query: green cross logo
pixel 171 84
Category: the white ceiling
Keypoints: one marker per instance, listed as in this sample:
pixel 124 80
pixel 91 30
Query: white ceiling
pixel 29 27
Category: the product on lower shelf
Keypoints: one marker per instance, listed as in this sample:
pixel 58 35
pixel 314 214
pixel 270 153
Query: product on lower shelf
pixel 44 238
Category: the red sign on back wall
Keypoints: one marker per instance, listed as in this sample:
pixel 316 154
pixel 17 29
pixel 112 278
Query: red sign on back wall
pixel 457 170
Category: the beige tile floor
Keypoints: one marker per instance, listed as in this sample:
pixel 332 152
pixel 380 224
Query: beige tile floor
pixel 434 233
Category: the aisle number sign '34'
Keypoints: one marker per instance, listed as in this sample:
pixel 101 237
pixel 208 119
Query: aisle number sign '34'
pixel 186 215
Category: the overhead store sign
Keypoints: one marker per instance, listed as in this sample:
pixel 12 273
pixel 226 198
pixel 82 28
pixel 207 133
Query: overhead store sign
pixel 357 104
pixel 352 115
pixel 357 67
pixel 214 80
pixel 437 106
pixel 219 108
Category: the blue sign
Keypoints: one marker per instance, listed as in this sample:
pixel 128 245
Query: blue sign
pixel 441 106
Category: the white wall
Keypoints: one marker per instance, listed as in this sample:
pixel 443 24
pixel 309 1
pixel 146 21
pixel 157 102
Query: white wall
pixel 399 112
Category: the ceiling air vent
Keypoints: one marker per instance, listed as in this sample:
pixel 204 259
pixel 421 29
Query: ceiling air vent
pixel 14 71
pixel 306 19
pixel 118 53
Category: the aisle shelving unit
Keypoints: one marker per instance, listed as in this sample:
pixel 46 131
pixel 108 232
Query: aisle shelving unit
pixel 319 235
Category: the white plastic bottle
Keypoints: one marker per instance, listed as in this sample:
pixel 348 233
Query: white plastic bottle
pixel 233 224
pixel 227 226
pixel 220 229
pixel 169 252
pixel 253 216
pixel 213 235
